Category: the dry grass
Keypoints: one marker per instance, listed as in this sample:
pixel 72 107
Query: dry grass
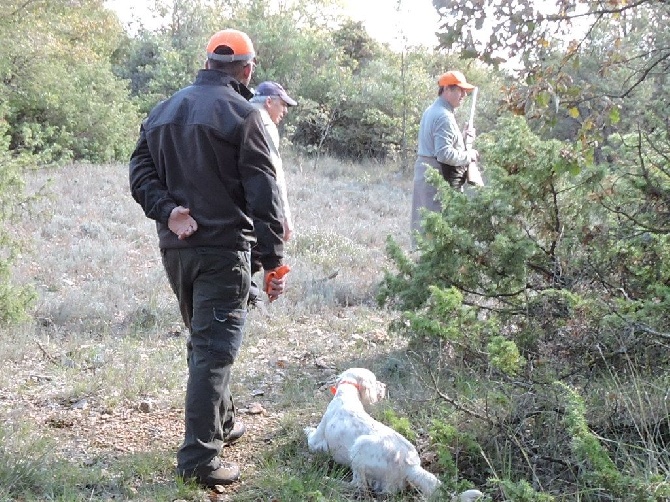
pixel 99 375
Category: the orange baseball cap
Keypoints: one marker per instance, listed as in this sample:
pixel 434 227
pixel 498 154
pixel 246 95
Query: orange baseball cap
pixel 454 78
pixel 237 46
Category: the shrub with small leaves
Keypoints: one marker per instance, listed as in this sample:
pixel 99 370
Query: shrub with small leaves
pixel 15 300
pixel 504 355
pixel 402 425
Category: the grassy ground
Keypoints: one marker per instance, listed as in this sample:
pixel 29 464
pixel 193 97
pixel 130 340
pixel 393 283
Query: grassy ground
pixel 91 390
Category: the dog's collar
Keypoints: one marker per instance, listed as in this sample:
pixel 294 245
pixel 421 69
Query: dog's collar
pixel 333 389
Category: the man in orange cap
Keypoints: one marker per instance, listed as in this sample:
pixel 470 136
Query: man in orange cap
pixel 441 145
pixel 202 169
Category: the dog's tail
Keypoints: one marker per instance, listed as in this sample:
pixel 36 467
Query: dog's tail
pixel 422 480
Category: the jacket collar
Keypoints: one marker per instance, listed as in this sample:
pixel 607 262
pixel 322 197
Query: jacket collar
pixel 217 77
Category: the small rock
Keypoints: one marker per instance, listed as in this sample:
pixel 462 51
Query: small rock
pixel 321 364
pixel 255 409
pixel 147 406
pixel 68 363
pixel 82 404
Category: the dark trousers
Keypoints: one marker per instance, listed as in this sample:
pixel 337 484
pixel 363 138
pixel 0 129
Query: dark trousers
pixel 212 286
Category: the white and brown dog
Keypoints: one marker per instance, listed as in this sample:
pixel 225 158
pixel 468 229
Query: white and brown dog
pixel 380 458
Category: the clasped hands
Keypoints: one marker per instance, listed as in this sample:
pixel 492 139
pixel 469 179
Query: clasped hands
pixel 182 224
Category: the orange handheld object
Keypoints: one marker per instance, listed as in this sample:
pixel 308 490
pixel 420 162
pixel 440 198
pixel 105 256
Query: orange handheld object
pixel 277 273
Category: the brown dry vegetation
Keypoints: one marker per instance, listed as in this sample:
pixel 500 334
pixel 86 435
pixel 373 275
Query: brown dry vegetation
pixel 95 383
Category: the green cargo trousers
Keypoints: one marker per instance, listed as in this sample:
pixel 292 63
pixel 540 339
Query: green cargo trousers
pixel 212 287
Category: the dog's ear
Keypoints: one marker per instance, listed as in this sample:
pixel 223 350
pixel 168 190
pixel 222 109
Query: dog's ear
pixel 368 388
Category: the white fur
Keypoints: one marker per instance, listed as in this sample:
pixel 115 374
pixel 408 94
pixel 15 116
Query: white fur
pixel 380 458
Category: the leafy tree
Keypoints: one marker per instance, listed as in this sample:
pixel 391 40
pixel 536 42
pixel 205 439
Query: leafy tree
pixel 529 31
pixel 355 42
pixel 159 62
pixel 608 76
pixel 136 60
pixel 324 71
pixel 350 92
pixel 61 96
pixel 293 47
pixel 623 44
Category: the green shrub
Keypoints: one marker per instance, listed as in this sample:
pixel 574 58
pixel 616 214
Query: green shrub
pixel 457 451
pixel 402 425
pixel 553 272
pixel 15 300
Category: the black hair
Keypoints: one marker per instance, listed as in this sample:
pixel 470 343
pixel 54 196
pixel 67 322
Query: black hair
pixel 444 87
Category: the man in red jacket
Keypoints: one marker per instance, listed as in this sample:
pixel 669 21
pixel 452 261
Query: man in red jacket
pixel 202 169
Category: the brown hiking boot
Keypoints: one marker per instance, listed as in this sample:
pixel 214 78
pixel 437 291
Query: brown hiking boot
pixel 226 474
pixel 238 431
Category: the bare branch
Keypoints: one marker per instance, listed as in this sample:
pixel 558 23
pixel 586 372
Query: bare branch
pixel 455 403
pixel 650 331
pixel 644 74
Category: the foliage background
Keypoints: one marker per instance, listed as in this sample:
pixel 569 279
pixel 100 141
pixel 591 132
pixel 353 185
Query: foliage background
pixel 534 311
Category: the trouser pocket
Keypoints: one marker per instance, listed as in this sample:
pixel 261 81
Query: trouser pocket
pixel 227 331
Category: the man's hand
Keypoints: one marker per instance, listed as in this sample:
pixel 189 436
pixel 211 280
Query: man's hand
pixel 182 223
pixel 275 281
pixel 469 132
pixel 288 230
pixel 473 156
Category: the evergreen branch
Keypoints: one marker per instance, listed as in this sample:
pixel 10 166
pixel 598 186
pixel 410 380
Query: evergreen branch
pixel 646 226
pixel 650 331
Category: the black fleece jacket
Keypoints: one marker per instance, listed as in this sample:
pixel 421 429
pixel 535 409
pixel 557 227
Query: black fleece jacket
pixel 205 149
